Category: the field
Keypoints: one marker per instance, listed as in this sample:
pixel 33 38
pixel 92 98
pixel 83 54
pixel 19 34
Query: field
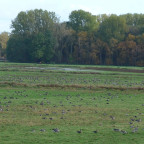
pixel 71 104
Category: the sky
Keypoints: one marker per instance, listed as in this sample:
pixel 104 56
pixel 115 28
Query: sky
pixel 9 9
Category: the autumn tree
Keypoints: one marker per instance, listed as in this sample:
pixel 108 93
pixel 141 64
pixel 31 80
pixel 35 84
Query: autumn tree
pixel 4 36
pixel 127 53
pixel 38 36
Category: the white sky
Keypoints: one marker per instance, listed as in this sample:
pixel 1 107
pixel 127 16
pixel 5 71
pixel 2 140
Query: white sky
pixel 10 8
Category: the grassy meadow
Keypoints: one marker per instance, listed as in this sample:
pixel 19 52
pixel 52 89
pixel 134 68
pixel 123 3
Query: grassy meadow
pixel 71 104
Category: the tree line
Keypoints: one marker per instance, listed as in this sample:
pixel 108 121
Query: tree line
pixel 39 36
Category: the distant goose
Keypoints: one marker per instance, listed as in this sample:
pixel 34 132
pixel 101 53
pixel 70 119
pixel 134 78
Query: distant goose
pixel 135 129
pixel 95 131
pixel 56 130
pixel 79 131
pixel 116 130
pixel 123 132
pixel 42 130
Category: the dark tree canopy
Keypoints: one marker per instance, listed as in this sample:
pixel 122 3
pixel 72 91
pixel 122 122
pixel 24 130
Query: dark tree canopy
pixel 32 38
pixel 38 36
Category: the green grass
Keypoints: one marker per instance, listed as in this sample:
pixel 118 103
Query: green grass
pixel 33 102
pixel 33 77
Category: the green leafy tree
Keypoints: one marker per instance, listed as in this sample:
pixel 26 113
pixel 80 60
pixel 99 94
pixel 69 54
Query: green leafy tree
pixel 82 21
pixel 135 23
pixel 42 47
pixel 32 38
pixel 18 49
pixel 34 21
pixel 113 27
pixel 63 40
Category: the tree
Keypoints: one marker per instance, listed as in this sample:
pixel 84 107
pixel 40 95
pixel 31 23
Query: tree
pixel 135 23
pixel 82 21
pixel 32 38
pixel 63 35
pixel 127 53
pixel 34 21
pixel 42 47
pixel 113 43
pixel 103 51
pixel 4 36
pixel 37 36
pixel 140 50
pixel 113 27
pixel 18 49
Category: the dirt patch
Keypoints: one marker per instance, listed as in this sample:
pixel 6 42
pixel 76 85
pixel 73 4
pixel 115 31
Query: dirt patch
pixel 12 84
pixel 116 69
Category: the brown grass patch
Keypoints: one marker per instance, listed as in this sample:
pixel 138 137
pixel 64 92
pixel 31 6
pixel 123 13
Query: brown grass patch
pixel 74 86
pixel 117 69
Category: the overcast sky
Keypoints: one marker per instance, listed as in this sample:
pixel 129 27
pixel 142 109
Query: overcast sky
pixel 10 8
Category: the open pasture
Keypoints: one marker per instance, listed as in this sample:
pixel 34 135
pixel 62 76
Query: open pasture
pixel 42 105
